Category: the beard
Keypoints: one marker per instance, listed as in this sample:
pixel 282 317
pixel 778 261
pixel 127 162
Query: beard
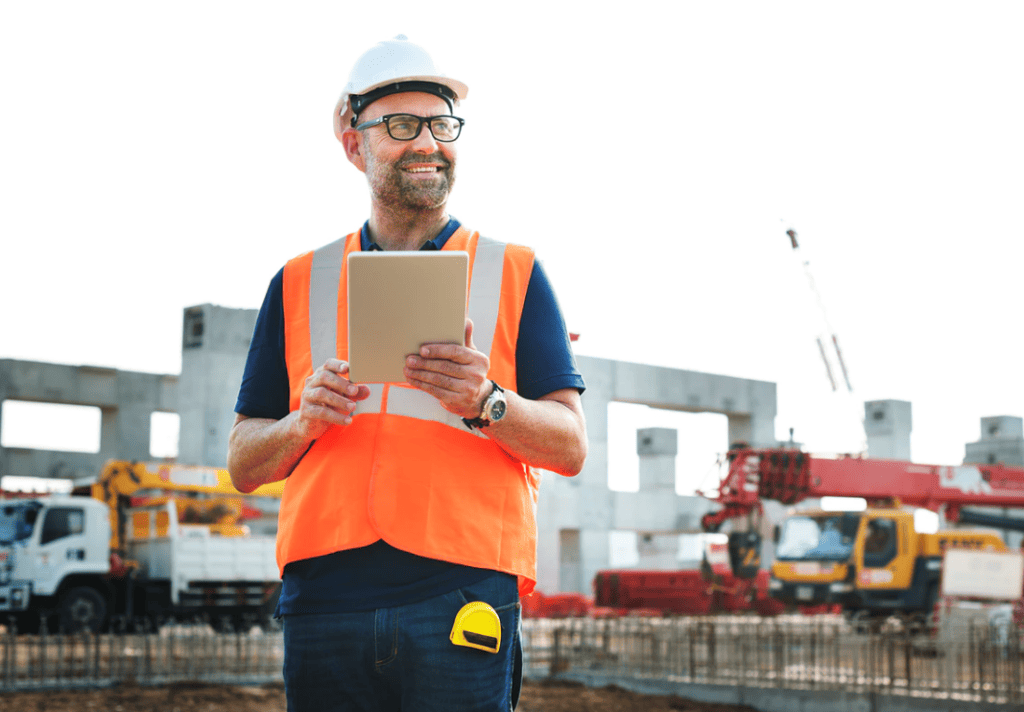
pixel 391 185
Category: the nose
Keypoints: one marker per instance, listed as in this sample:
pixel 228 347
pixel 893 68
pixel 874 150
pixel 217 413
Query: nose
pixel 425 142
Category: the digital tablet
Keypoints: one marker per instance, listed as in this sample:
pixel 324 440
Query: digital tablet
pixel 398 301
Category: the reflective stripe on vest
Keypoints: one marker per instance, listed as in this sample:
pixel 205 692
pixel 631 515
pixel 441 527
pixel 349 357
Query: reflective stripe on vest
pixel 428 484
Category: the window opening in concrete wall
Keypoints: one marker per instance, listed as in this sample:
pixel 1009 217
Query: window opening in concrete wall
pixel 50 426
pixel 701 438
pixel 163 434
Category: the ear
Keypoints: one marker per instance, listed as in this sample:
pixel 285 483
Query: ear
pixel 352 141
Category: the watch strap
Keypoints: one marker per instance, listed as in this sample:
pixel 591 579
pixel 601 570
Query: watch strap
pixel 480 421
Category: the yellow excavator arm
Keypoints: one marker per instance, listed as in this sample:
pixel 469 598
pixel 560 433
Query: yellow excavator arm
pixel 120 479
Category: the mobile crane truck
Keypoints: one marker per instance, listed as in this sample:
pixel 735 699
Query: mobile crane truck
pixel 873 563
pixel 78 560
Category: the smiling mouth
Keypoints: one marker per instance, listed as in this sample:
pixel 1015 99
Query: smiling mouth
pixel 423 169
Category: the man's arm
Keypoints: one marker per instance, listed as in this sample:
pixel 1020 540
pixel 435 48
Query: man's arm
pixel 262 450
pixel 549 432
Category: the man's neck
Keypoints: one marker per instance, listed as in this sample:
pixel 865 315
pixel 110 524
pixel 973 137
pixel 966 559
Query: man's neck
pixel 405 231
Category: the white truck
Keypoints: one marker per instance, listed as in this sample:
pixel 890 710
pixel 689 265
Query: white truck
pixel 61 564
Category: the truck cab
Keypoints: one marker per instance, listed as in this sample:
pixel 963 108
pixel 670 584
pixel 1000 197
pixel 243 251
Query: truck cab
pixel 873 563
pixel 814 553
pixel 50 549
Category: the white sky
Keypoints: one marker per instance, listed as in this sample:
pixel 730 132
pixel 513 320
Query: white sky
pixel 158 155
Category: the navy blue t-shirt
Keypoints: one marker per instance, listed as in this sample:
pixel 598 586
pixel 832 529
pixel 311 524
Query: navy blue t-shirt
pixel 380 575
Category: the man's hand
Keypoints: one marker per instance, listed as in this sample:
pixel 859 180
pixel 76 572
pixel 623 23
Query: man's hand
pixel 328 399
pixel 454 374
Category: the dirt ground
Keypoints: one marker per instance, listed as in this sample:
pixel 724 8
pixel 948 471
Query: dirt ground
pixel 536 697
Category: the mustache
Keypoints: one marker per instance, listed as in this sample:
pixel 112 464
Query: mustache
pixel 432 158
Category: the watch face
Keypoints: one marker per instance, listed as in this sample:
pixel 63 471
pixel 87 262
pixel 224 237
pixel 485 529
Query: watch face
pixel 497 410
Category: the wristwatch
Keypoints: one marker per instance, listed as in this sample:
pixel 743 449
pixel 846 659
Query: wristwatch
pixel 492 411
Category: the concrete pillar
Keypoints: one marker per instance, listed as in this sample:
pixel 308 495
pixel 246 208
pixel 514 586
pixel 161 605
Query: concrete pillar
pixel 594 556
pixel 887 426
pixel 570 560
pixel 1002 441
pixel 657 449
pixel 215 342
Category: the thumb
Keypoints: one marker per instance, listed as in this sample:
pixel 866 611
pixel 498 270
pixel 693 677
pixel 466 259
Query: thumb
pixel 469 334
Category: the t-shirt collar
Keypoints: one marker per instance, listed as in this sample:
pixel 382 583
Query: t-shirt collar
pixel 436 244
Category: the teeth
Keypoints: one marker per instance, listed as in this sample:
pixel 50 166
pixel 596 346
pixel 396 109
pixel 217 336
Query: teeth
pixel 421 170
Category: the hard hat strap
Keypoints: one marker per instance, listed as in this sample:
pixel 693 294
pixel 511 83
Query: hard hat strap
pixel 361 101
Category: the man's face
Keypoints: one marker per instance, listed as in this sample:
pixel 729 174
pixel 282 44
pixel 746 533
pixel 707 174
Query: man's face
pixel 417 174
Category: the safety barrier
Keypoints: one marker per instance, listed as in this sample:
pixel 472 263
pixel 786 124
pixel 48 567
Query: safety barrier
pixel 972 664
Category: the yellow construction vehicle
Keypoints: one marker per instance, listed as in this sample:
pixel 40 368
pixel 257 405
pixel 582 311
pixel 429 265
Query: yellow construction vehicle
pixel 873 563
pixel 198 492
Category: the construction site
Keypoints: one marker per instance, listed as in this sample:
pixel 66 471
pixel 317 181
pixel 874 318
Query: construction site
pixel 155 578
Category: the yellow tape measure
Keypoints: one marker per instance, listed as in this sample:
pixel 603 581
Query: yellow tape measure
pixel 477 626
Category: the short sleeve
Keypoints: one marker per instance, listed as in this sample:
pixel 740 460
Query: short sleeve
pixel 544 358
pixel 265 390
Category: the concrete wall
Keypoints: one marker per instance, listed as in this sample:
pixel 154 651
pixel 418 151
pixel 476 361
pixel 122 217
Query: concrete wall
pixel 575 515
pixel 126 400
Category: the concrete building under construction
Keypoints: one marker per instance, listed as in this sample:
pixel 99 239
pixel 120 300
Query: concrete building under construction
pixel 575 515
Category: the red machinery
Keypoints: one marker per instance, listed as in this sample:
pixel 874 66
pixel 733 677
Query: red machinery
pixel 872 562
pixel 713 588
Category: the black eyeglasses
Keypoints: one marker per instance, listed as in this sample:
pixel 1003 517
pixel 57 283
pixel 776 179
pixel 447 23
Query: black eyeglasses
pixel 406 127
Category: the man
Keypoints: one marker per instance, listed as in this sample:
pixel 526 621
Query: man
pixel 407 532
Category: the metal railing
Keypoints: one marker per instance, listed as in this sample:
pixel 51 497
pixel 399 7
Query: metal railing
pixel 174 653
pixel 975 663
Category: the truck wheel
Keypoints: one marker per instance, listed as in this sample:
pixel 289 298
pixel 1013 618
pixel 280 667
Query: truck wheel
pixel 82 609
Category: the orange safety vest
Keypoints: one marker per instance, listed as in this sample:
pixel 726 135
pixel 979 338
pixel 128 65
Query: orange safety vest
pixel 406 470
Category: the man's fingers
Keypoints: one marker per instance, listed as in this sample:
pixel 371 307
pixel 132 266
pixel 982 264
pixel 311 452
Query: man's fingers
pixel 329 398
pixel 456 353
pixel 336 365
pixel 331 375
pixel 446 367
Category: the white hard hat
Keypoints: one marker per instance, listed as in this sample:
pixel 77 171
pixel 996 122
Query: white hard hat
pixel 390 67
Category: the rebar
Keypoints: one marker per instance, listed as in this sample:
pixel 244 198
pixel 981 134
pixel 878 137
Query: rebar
pixel 982 665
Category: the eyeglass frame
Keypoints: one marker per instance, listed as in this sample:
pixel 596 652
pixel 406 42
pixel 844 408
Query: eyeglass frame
pixel 423 120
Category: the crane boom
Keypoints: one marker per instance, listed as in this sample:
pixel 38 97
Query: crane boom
pixel 791 476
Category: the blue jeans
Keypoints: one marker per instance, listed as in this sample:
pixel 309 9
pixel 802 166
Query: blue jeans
pixel 401 659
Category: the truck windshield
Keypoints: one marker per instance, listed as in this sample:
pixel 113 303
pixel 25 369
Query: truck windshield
pixel 16 522
pixel 818 537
